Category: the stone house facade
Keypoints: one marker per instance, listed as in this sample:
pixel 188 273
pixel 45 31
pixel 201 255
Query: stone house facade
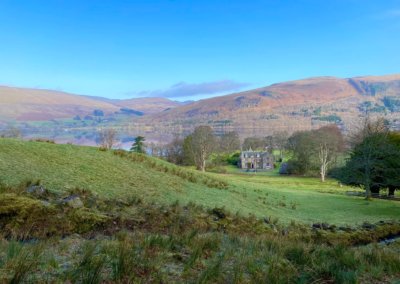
pixel 256 160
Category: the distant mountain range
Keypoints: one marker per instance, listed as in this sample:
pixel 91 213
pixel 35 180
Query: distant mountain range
pixel 289 106
pixel 22 104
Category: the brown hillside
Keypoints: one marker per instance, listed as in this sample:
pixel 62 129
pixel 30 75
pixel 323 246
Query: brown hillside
pixel 290 106
pixel 35 104
pixel 23 104
pixel 148 105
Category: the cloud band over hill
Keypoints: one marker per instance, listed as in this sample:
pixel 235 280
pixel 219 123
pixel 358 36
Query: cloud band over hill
pixel 184 89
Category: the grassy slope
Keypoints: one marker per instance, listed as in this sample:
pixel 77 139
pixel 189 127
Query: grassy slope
pixel 60 167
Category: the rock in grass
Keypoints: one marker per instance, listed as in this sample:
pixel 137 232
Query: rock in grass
pixel 37 190
pixel 316 226
pixel 368 226
pixel 325 226
pixel 73 201
pixel 322 226
pixel 219 213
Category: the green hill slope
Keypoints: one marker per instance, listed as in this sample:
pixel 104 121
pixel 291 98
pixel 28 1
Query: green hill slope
pixel 63 167
pixel 118 175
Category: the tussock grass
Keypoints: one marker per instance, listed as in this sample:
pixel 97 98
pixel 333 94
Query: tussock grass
pixel 89 266
pixel 19 262
pixel 207 258
pixel 144 242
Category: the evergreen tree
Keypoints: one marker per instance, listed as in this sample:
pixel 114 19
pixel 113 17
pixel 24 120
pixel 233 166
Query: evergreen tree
pixel 138 145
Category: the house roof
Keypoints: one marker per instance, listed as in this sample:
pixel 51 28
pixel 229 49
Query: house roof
pixel 250 151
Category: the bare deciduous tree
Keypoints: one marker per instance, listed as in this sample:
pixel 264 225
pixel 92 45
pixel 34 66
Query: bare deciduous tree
pixel 155 150
pixel 107 138
pixel 315 150
pixel 324 160
pixel 254 143
pixel 174 151
pixel 366 127
pixel 202 144
pixel 280 140
pixel 329 141
pixel 229 142
pixel 11 132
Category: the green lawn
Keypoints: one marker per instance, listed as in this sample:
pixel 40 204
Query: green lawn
pixel 63 167
pixel 309 200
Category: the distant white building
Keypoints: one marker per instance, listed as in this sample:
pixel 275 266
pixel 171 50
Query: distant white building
pixel 256 160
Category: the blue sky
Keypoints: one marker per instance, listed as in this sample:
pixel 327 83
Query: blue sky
pixel 185 49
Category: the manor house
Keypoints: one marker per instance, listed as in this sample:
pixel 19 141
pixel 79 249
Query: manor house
pixel 256 160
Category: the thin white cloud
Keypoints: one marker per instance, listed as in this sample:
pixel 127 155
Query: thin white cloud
pixel 184 89
pixel 389 14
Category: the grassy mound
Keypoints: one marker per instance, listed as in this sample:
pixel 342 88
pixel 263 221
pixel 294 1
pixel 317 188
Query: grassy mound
pixel 111 174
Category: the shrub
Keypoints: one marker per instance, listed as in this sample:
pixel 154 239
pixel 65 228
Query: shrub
pixel 23 217
pixel 284 169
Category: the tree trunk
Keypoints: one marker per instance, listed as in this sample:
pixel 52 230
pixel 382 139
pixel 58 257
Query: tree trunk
pixel 203 165
pixel 323 157
pixel 203 161
pixel 367 179
pixel 367 191
pixel 391 191
pixel 323 173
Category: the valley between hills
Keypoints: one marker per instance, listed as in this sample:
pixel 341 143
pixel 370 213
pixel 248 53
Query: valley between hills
pixel 78 214
pixel 289 106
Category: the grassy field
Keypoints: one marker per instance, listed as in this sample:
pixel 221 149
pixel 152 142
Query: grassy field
pixel 128 228
pixel 65 167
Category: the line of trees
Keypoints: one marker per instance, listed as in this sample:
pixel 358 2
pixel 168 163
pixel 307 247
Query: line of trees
pixel 107 138
pixel 315 151
pixel 276 141
pixel 374 160
pixel 372 156
pixel 196 148
pixel 11 132
pixel 373 152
